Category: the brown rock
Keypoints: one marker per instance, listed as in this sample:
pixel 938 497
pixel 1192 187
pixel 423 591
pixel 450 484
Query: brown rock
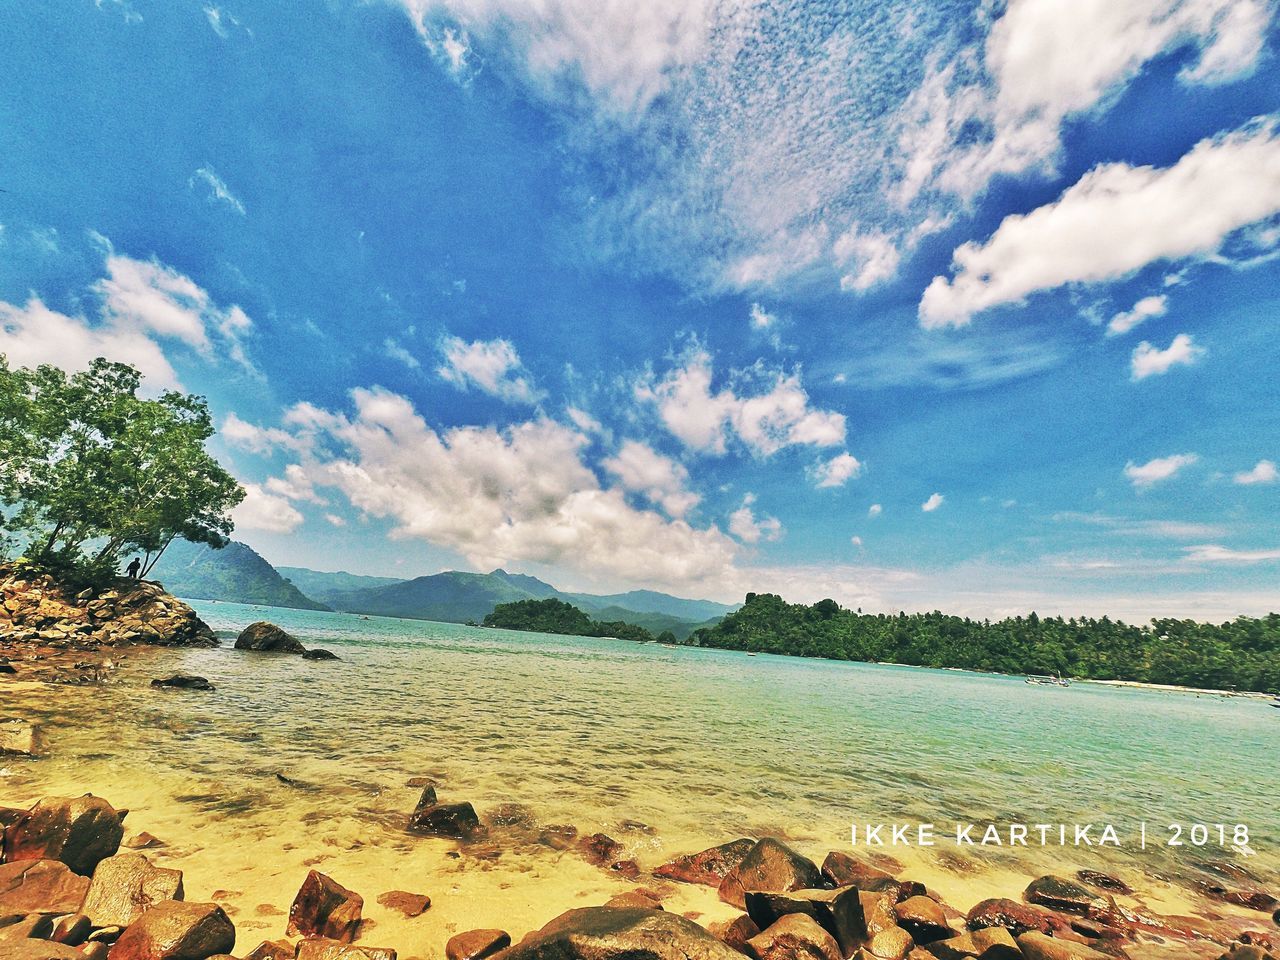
pixel 427 800
pixel 94 951
pixel 142 841
pixel 996 943
pixel 843 870
pixel 71 930
pixel 457 821
pixel 1037 946
pixel 79 832
pixel 709 867
pixel 37 926
pixel 796 936
pixel 839 912
pixel 600 849
pixel 636 899
pixel 272 950
pixel 736 932
pixel 893 943
pixel 1250 899
pixel 878 911
pixel 1018 918
pixel 173 930
pixel 606 933
pixel 558 837
pixel 264 635
pixel 1103 881
pixel 30 885
pixel 325 908
pixel 924 919
pixel 770 866
pixel 40 950
pixel 410 904
pixel 127 885
pixel 476 944
pixel 19 738
pixel 1059 893
pixel 319 948
pixel 183 681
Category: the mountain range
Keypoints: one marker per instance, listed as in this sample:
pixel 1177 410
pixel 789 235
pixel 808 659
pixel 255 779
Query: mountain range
pixel 238 574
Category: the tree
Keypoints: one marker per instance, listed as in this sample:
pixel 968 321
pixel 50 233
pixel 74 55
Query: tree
pixel 89 470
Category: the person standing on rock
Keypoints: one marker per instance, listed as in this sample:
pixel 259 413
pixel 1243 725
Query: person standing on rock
pixel 134 568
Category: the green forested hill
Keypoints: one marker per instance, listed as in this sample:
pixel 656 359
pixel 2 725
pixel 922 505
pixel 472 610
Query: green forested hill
pixel 1243 653
pixel 333 589
pixel 556 616
pixel 235 573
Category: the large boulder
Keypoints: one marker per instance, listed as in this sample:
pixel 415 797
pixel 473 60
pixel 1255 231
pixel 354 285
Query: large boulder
pixel 19 738
pixel 923 918
pixel 80 832
pixel 457 821
pixel 325 908
pixel 267 636
pixel 796 936
pixel 709 867
pixel 839 912
pixel 174 930
pixel 770 866
pixel 844 870
pixel 31 885
pixel 125 886
pixel 609 933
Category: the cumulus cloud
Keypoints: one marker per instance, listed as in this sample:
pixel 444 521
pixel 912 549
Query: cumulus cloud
pixel 520 494
pixel 761 319
pixel 933 503
pixel 1116 219
pixel 1143 310
pixel 492 366
pixel 256 439
pixel 766 410
pixel 265 511
pixel 872 258
pixel 837 471
pixel 747 527
pixel 206 178
pixel 1148 361
pixel 1213 553
pixel 1161 468
pixel 875 510
pixel 1264 471
pixel 642 469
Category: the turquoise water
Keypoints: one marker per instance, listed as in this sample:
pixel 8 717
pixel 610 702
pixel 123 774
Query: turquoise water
pixel 699 745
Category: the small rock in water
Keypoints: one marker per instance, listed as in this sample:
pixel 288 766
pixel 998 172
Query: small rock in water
pixel 476 944
pixel 266 636
pixel 1103 881
pixel 600 848
pixel 558 837
pixel 142 841
pixel 427 800
pixel 325 908
pixel 410 904
pixel 319 653
pixel 184 681
pixel 19 738
pixel 1058 893
pixel 1016 917
pixel 457 821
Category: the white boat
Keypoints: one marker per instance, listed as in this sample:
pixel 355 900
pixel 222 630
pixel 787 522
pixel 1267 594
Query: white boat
pixel 1048 681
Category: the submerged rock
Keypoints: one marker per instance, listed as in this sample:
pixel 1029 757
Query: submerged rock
pixel 174 930
pixel 19 738
pixel 456 821
pixel 264 635
pixel 607 933
pixel 319 653
pixel 796 936
pixel 770 866
pixel 1015 917
pixel 708 867
pixel 476 944
pixel 1103 881
pixel 31 885
pixel 126 886
pixel 80 832
pixel 184 681
pixel 325 908
pixel 1058 893
pixel 600 849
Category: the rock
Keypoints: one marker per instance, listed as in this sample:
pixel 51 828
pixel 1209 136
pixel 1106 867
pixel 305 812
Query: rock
pixel 1018 918
pixel 35 926
pixel 79 832
pixel 558 837
pixel 94 951
pixel 996 943
pixel 126 886
pixel 735 933
pixel 321 949
pixel 271 950
pixel 924 919
pixel 606 933
pixel 319 653
pixel 1250 899
pixel 29 885
pixel 325 908
pixel 1058 893
pixel 1037 946
pixel 770 866
pixel 709 867
pixel 457 821
pixel 410 904
pixel 600 849
pixel 71 930
pixel 19 738
pixel 636 899
pixel 174 930
pixel 476 944
pixel 839 912
pixel 142 841
pixel 796 936
pixel 183 681
pixel 893 943
pixel 1103 881
pixel 268 637
pixel 1245 951
pixel 40 950
pixel 878 911
pixel 427 800
pixel 843 870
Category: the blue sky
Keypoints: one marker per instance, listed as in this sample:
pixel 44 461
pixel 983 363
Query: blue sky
pixel 966 306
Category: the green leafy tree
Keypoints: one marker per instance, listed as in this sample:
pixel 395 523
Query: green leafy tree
pixel 90 470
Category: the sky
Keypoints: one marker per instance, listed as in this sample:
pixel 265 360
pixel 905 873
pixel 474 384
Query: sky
pixel 914 304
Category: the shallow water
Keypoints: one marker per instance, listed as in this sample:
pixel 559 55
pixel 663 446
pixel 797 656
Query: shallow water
pixel 699 745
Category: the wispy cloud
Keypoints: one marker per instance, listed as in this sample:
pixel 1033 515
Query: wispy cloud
pixel 1158 470
pixel 493 366
pixel 933 503
pixel 217 190
pixel 1143 310
pixel 1214 553
pixel 747 527
pixel 393 349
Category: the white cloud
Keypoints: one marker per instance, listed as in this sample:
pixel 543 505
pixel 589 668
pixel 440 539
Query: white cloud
pixel 761 319
pixel 395 351
pixel 875 510
pixel 1143 310
pixel 1126 527
pixel 1115 220
pixel 856 541
pixel 642 469
pixel 766 409
pixel 584 421
pixel 1149 361
pixel 837 471
pixel 255 439
pixel 872 257
pixel 1157 470
pixel 933 503
pixel 1264 471
pixel 335 520
pixel 218 190
pixel 265 511
pixel 747 527
pixel 1213 553
pixel 498 497
pixel 491 365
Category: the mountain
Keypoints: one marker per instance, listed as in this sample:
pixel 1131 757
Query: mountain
pixel 650 601
pixel 235 573
pixel 452 597
pixel 333 589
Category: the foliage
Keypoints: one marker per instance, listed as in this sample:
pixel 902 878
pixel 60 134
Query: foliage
pixel 556 616
pixel 90 470
pixel 1243 653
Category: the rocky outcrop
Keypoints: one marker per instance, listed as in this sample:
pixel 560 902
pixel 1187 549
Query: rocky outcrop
pixel 266 636
pixel 325 908
pixel 607 933
pixel 770 866
pixel 79 832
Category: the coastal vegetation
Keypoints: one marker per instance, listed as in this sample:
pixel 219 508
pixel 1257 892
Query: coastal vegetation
pixel 557 616
pixel 1241 654
pixel 235 573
